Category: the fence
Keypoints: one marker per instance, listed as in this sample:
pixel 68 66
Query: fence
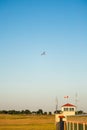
pixel 70 125
pixel 73 123
pixel 76 122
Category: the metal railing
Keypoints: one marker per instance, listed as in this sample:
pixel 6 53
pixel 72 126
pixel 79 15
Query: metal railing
pixel 73 125
pixel 74 122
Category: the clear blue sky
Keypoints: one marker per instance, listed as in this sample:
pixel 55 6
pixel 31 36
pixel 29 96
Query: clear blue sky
pixel 29 27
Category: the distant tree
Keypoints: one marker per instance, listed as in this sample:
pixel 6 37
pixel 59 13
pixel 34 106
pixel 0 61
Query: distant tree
pixel 40 111
pixel 11 112
pixel 57 112
pixel 45 113
pixel 22 112
pixel 79 112
pixel 17 112
pixel 27 112
pixel 33 112
pixel 50 113
pixel 3 112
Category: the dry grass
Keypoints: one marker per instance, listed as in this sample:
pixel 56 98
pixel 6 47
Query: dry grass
pixel 26 122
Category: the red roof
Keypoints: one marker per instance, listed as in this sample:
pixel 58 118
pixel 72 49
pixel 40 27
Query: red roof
pixel 61 116
pixel 68 105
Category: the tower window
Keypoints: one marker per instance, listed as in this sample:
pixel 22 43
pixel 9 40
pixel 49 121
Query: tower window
pixel 65 109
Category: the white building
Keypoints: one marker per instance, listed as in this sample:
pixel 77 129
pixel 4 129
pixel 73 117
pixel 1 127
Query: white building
pixel 67 110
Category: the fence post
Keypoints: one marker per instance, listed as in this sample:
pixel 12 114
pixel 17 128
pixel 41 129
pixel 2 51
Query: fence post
pixel 77 126
pixel 73 125
pixel 69 125
pixel 65 125
pixel 83 126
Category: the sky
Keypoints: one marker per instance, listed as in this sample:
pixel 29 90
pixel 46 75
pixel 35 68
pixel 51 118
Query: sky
pixel 29 80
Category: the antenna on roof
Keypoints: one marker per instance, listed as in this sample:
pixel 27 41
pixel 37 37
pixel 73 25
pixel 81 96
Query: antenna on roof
pixel 56 104
pixel 76 100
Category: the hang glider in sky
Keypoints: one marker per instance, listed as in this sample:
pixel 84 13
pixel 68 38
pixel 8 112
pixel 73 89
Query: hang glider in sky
pixel 43 53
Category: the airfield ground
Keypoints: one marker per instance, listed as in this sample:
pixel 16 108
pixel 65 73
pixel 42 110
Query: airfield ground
pixel 27 122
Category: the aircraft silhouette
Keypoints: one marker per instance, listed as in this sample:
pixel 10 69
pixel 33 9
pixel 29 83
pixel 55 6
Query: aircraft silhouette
pixel 43 53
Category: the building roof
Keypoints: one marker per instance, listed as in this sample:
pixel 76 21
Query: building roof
pixel 68 105
pixel 61 116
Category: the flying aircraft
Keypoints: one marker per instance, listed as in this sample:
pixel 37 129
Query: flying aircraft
pixel 43 53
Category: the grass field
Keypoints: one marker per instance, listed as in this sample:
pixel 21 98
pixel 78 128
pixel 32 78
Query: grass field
pixel 27 122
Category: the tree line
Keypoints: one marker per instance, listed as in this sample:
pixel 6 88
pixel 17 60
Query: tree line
pixel 39 112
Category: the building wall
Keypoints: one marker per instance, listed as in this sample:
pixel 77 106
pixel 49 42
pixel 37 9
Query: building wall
pixel 66 113
pixel 68 108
